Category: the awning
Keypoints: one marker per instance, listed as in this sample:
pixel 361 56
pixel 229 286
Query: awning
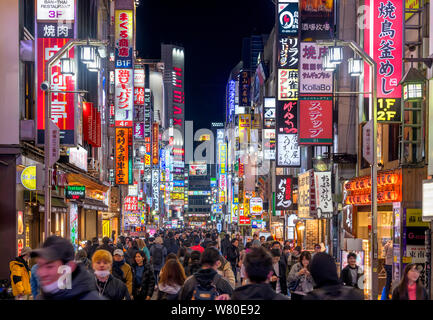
pixel 89 183
pixel 92 204
pixel 57 203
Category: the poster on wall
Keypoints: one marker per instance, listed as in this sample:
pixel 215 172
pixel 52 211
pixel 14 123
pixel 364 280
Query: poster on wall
pixel 322 181
pixel 315 125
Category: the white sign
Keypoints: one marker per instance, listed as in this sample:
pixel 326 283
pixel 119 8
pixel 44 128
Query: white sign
pixel 133 190
pixel 256 206
pixel 427 200
pixel 78 157
pixel 124 100
pixel 139 78
pixel 269 134
pixel 323 193
pixel 155 189
pixel 417 253
pixel 289 152
pixel 56 10
pixel 53 142
pixel 304 194
pixel 367 141
pixel 312 77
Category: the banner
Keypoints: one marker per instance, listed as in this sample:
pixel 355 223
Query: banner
pixel 288 53
pixel 315 124
pixel 155 143
pixel 244 89
pixel 288 17
pixel 283 192
pixel 312 78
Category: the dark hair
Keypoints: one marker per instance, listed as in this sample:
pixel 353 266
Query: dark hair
pixel 262 237
pixel 286 248
pixel 214 236
pixel 275 253
pixel 235 239
pixel 402 286
pixel 270 238
pixel 88 243
pixel 317 245
pixel 171 255
pixel 172 273
pixel 207 235
pixel 209 257
pixel 195 256
pixel 141 253
pixel 248 245
pixel 351 255
pixel 306 255
pixel 211 244
pixel 95 240
pixel 105 240
pixel 276 242
pixel 298 248
pixel 258 264
pixel 181 252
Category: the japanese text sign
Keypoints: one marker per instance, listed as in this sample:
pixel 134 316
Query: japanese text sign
pixel 312 77
pixel 323 193
pixel 283 192
pixel 123 38
pixel 288 151
pixel 288 53
pixel 288 84
pixel 288 17
pixel 130 203
pixel 315 124
pixel 287 117
pixel 244 89
pixel 317 19
pixel 122 159
pixel 56 10
pixel 123 97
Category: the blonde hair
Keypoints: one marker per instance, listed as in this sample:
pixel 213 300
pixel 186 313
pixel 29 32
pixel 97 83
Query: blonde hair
pixel 158 240
pixel 102 255
pixel 140 243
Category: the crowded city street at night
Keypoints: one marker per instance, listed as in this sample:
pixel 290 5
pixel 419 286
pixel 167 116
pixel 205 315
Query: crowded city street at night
pixel 159 152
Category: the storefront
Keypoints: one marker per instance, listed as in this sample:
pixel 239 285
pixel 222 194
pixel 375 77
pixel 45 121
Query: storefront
pixel 398 220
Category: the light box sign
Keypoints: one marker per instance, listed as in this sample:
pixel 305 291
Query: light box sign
pixel 130 204
pixel 244 89
pixel 288 53
pixel 312 78
pixel 139 78
pixel 288 151
pixel 75 192
pixel 315 125
pixel 244 128
pixel 288 84
pixel 122 159
pixel 123 38
pixel 197 169
pixel 123 98
pixel 155 189
pixel 155 143
pixel 287 117
pixel 256 206
pixel 288 17
pixel 62 104
pixel 322 182
pixel 317 19
pixel 78 157
pixel 383 40
pixel 283 192
pixel 56 10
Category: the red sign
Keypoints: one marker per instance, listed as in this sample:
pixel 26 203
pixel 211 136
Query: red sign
pixel 383 40
pixel 315 120
pixel 87 121
pixel 130 204
pixel 62 104
pixel 244 220
pixel 139 96
pixel 155 143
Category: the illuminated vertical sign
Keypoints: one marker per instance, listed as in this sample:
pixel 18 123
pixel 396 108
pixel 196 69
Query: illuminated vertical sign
pixel 231 94
pixel 123 38
pixel 244 89
pixel 244 128
pixel 315 125
pixel 122 156
pixel 155 189
pixel 155 143
pixel 123 97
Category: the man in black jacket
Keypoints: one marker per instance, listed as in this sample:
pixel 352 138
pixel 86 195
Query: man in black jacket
pixel 225 244
pixel 93 248
pixel 328 287
pixel 207 277
pixel 258 269
pixel 55 260
pixel 232 256
pixel 351 274
pixel 106 245
pixel 279 276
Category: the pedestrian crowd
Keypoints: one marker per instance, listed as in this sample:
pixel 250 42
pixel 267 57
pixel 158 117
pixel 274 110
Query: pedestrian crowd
pixel 191 265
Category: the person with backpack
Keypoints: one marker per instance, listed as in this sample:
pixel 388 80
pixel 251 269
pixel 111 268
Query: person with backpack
pixel 158 253
pixel 122 270
pixel 170 244
pixel 206 284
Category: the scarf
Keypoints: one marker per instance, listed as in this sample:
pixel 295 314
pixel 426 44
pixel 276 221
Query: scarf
pixel 117 268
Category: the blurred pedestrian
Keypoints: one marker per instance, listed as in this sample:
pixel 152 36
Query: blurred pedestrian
pixel 158 254
pixel 34 281
pixel 106 245
pixel 410 286
pixel 20 275
pixel 233 255
pixel 81 257
pixel 95 245
pixel 142 246
pixel 193 263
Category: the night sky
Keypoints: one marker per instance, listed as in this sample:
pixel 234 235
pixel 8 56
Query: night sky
pixel 211 32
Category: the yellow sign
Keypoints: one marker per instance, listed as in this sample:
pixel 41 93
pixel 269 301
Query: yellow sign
pixel 147 160
pixel 414 218
pixel 244 128
pixel 28 178
pixel 411 4
pixel 407 260
pixel 106 228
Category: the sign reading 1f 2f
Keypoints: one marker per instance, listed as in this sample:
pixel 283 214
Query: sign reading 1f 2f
pixel 56 10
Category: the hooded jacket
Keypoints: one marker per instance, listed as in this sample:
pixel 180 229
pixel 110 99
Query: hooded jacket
pixel 206 278
pixel 20 277
pixel 81 289
pixel 328 286
pixel 122 271
pixel 168 292
pixel 257 291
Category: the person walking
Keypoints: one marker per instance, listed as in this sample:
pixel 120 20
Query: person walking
pixel 300 280
pixel 278 277
pixel 172 278
pixel 225 244
pixel 57 253
pixel 20 275
pixel 158 253
pixel 294 257
pixel 225 269
pixel 233 255
pixel 351 274
pixel 193 263
pixel 258 268
pixel 81 257
pixel 107 285
pixel 106 245
pixel 122 270
pixel 410 286
pixel 389 259
pixel 95 245
pixel 142 246
pixel 327 285
pixel 34 281
pixel 143 283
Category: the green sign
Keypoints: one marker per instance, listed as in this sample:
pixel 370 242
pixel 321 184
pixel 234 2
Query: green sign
pixel 75 192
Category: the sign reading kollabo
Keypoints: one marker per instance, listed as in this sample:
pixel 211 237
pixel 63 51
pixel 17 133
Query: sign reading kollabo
pixel 75 192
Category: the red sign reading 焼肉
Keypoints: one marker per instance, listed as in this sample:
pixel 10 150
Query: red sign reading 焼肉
pixel 383 40
pixel 315 120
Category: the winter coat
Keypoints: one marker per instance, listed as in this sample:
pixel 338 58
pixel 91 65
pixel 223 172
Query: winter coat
pixel 168 292
pixel 147 285
pixel 257 291
pixel 225 270
pixel 346 276
pixel 204 277
pixel 130 255
pixel 171 246
pixel 225 244
pixel 92 250
pixel 34 281
pixel 306 283
pixel 20 277
pixel 106 247
pixel 155 247
pixel 86 263
pixel 282 278
pixel 124 274
pixel 419 296
pixel 328 286
pixel 197 248
pixel 112 289
pixel 82 288
pixel 192 268
pixel 233 255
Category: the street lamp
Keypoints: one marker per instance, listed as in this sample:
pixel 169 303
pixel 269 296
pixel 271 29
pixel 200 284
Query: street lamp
pixel 88 53
pixel 355 67
pixel 95 66
pixel 335 54
pixel 327 64
pixel 412 82
pixel 67 66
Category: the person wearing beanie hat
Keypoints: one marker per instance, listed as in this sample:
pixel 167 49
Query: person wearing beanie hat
pixel 107 285
pixel 20 275
pixel 328 287
pixel 61 278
